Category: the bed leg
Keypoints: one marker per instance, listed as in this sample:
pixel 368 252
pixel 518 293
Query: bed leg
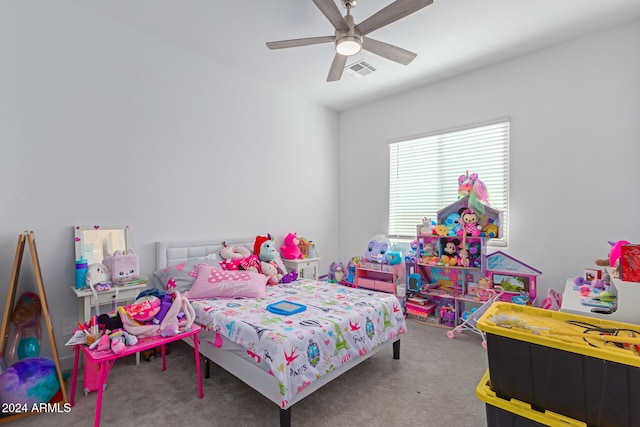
pixel 396 350
pixel 285 417
pixel 206 368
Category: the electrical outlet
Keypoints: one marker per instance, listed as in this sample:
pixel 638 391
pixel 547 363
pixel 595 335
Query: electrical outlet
pixel 68 325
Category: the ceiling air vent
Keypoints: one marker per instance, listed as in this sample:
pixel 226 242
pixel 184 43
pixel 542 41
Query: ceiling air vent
pixel 360 68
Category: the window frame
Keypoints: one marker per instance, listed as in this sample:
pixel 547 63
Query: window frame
pixel 495 136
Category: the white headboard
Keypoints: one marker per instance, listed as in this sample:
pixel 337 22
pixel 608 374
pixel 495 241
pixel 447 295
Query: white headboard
pixel 172 253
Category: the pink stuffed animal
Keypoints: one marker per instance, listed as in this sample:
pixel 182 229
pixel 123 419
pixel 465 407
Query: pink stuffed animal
pixel 290 249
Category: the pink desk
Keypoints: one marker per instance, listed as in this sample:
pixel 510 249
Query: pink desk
pixel 106 359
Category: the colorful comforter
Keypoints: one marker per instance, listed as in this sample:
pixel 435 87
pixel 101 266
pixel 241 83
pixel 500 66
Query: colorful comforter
pixel 339 324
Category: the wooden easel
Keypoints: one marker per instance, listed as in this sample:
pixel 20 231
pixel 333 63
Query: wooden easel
pixel 27 238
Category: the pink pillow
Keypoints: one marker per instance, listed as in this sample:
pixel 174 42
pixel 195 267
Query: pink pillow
pixel 213 282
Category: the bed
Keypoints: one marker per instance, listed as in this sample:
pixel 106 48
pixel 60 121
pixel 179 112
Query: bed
pixel 288 357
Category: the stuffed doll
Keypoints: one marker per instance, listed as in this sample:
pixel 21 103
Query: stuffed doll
pixel 469 223
pixel 290 249
pixel 271 271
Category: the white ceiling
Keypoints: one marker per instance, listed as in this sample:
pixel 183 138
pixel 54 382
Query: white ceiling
pixel 449 36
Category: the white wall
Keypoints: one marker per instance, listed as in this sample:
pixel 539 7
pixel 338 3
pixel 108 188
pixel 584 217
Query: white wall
pixel 575 149
pixel 100 123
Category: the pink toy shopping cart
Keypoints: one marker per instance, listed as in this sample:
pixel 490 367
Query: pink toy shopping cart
pixel 469 319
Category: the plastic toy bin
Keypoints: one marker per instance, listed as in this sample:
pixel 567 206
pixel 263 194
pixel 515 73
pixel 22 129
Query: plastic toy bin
pixel 513 413
pixel 537 356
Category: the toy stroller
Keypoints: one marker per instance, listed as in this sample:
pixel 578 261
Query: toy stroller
pixel 469 319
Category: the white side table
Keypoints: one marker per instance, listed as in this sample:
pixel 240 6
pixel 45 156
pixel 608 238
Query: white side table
pixel 300 265
pixel 86 300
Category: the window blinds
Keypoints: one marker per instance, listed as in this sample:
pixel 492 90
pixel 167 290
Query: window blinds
pixel 424 173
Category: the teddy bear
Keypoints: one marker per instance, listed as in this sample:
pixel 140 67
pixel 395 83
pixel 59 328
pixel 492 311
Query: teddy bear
pixel 336 272
pixel 290 248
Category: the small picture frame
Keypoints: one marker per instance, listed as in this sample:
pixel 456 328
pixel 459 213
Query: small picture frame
pixel 591 274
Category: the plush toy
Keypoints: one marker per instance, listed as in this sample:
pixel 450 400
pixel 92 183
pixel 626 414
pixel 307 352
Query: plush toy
pixel 450 252
pixel 231 255
pixel 120 339
pixel 170 325
pixel 452 222
pixel 441 230
pixel 470 186
pixel 490 230
pixel 428 226
pixel 290 249
pixel 123 267
pixel 614 254
pixel 111 323
pixel 271 271
pixel 265 249
pixel 336 272
pixel 377 249
pixel 98 274
pixel 469 223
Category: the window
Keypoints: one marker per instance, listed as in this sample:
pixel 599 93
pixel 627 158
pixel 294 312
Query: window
pixel 424 171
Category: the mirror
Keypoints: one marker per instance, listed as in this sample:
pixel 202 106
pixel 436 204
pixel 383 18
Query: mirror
pixel 95 242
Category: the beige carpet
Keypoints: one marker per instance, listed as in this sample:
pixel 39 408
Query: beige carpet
pixel 433 384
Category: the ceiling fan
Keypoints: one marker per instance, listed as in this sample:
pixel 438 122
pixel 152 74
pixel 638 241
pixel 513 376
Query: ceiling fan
pixel 350 38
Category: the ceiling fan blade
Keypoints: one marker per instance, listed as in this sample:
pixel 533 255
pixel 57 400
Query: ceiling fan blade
pixel 396 10
pixel 331 11
pixel 337 67
pixel 389 51
pixel 300 42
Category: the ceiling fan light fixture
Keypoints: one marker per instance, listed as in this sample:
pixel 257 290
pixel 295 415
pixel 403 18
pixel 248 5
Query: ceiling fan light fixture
pixel 348 45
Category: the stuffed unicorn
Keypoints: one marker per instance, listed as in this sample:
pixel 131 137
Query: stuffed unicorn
pixel 470 186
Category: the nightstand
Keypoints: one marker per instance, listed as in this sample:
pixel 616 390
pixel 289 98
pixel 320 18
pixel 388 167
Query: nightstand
pixel 300 265
pixel 86 300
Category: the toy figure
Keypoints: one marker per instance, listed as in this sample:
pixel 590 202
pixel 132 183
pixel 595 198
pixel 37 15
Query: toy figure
pixel 26 321
pixel 469 223
pixel 351 270
pixel 290 249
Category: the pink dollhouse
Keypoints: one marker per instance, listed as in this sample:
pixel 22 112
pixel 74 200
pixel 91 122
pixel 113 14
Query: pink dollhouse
pixel 517 278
